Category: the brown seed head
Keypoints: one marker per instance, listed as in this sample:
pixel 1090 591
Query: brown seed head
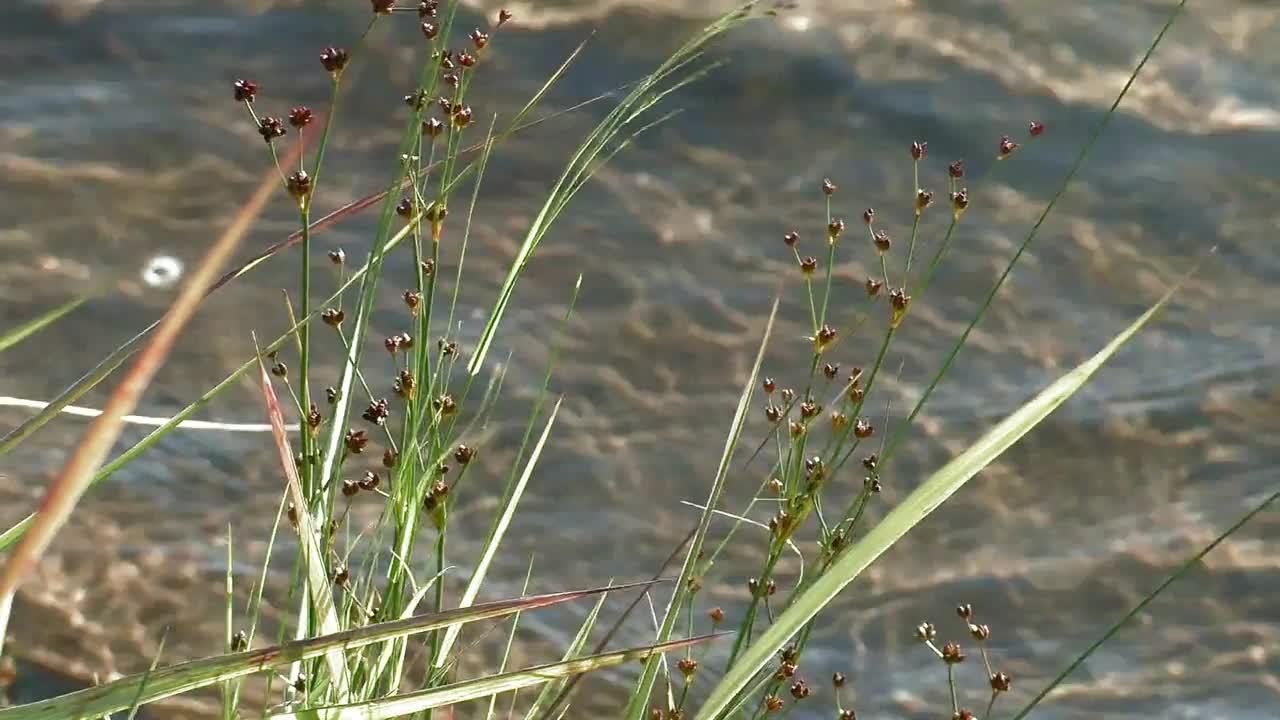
pixel 239 641
pixel 478 38
pixel 280 370
pixel 428 8
pixel 299 184
pixel 869 215
pixel 873 287
pixel 838 420
pixel 271 128
pixel 847 714
pixel 382 7
pixel 772 413
pixel 466 59
pixel 956 169
pixel 504 16
pixel 826 336
pixel 350 488
pixel 834 228
pixel 429 30
pixel 1036 129
pixel 1007 147
pixel 923 199
pixel 980 632
pixel 412 298
pixel 432 127
pixel 791 238
pixel 246 90
pixel 404 208
pixel 773 703
pixel 716 614
pixel 788 395
pixel 769 385
pixel 919 150
pixel 775 486
pixel 962 714
pixel 462 117
pixel 334 59
pixel 332 317
pixel 837 679
pixel 389 458
pixel 965 611
pixel 863 428
pixel 926 632
pixel 688 666
pixel 809 409
pixel 828 187
pixel 377 412
pixel 799 690
pixel 808 265
pixel 870 462
pixel 960 201
pixel 332 394
pixel 356 441
pixel 1001 682
pixel 882 241
pixel 300 117
pixel 464 454
pixel 337 257
pixel 830 370
pixel 952 654
pixel 370 480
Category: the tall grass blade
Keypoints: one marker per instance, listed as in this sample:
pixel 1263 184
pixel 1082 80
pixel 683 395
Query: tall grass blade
pixel 26 330
pixel 316 579
pixel 580 167
pixel 1191 563
pixel 78 472
pixel 499 531
pixel 915 508
pixel 639 701
pixel 399 705
pixel 192 675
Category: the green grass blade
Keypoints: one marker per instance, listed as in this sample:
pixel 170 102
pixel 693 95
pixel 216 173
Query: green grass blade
pixel 22 332
pixel 192 675
pixel 915 508
pixel 399 705
pixel 1190 564
pixel 552 689
pixel 639 701
pixel 495 536
pixel 581 166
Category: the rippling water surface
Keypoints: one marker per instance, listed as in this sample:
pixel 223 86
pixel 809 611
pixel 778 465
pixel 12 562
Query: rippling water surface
pixel 119 142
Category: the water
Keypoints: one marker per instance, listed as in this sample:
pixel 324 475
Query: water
pixel 119 142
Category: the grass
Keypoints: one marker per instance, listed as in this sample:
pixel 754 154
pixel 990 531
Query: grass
pixel 369 638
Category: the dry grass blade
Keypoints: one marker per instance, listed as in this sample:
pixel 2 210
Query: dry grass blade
pixel 77 474
pixel 176 679
pixel 317 580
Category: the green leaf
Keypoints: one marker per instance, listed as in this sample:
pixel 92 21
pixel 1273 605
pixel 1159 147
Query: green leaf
pixel 399 705
pixel 915 508
pixel 185 677
pixel 495 536
pixel 640 698
pixel 575 648
pixel 22 332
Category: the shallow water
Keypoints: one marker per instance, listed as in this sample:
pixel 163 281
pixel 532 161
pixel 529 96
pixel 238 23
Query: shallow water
pixel 118 142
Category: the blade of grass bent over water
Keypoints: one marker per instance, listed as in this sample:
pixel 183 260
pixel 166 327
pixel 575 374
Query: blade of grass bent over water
pixel 78 472
pixel 192 675
pixel 915 508
pixel 1187 566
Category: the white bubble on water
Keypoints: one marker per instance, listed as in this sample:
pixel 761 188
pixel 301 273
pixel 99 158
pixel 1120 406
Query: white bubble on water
pixel 162 271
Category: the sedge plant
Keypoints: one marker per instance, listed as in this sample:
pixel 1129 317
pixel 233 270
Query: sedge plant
pixel 370 634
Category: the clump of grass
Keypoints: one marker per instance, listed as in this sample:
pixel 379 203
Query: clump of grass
pixel 397 435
